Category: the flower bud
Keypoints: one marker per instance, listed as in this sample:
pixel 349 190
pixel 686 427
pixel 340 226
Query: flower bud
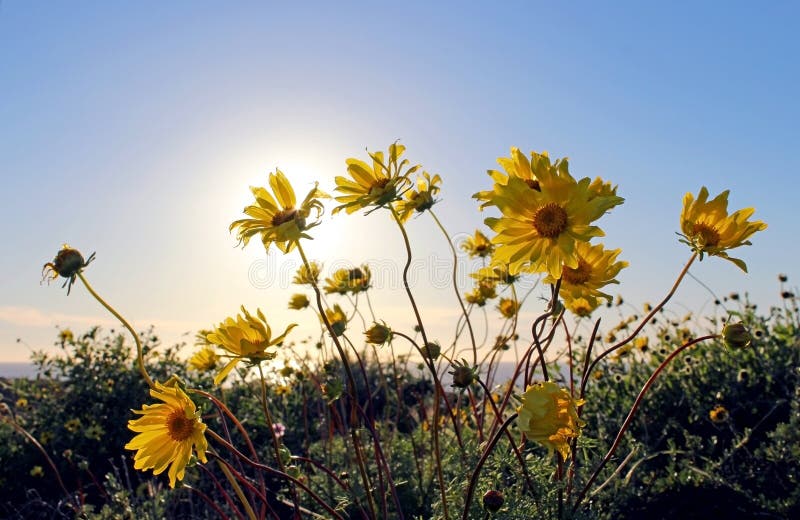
pixel 378 334
pixel 431 351
pixel 736 336
pixel 493 500
pixel 463 375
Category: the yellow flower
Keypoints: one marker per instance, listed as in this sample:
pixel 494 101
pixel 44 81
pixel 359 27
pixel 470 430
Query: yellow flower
pixel 22 403
pixel 508 307
pixel 707 227
pixel 518 166
pixel 377 185
pixel 204 359
pixel 67 264
pixel 719 414
pixel 66 336
pixel 167 433
pixel 298 301
pixel 642 343
pixel 420 199
pixel 278 219
pixel 582 307
pixel 549 415
pixel 349 280
pixel 379 334
pixel 247 337
pixel 497 273
pixel 37 471
pixel 307 275
pixel 484 290
pixel 539 227
pixel 596 268
pixel 337 318
pixel 73 425
pixel 478 245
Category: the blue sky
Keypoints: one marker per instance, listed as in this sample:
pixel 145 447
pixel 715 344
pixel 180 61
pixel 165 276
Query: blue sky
pixel 134 129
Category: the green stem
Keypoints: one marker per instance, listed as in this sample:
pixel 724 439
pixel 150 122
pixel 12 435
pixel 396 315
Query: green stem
pixel 109 308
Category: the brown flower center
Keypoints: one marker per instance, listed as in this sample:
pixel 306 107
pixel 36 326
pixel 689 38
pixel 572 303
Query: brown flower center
pixel 550 220
pixel 533 184
pixel 707 235
pixel 577 275
pixel 379 184
pixel 355 274
pixel 284 216
pixel 180 428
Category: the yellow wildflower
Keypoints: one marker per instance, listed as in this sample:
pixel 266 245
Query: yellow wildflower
pixel 518 166
pixel 549 415
pixel 377 185
pixel 478 245
pixel 36 471
pixel 420 199
pixel 719 414
pixel 307 275
pixel 245 338
pixel 167 433
pixel 596 268
pixel 66 336
pixel 539 228
pixel 642 343
pixel 379 334
pixel 337 318
pixel 204 359
pixel 298 301
pixel 349 280
pixel 484 290
pixel 278 219
pixel 583 306
pixel 508 307
pixel 497 273
pixel 707 227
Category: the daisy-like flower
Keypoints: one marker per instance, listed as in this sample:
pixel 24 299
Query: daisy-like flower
pixel 167 433
pixel 708 229
pixel 245 338
pixel 378 185
pixel 477 245
pixel 337 318
pixel 520 167
pixel 719 414
pixel 496 274
pixel 204 360
pixel 307 275
pixel 277 217
pixel 67 264
pixel 539 228
pixel 508 307
pixel 483 290
pixel 596 268
pixel 345 281
pixel 549 415
pixel 298 302
pixel 420 199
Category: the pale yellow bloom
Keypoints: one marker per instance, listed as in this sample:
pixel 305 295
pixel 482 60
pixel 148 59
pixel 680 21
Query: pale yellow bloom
pixel 419 199
pixel 307 275
pixel 508 307
pixel 167 433
pixel 345 281
pixel 204 359
pixel 596 268
pixel 477 245
pixel 298 301
pixel 549 415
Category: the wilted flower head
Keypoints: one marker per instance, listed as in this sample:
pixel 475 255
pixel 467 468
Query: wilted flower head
pixel 167 433
pixel 345 281
pixel 463 374
pixel 379 334
pixel 298 301
pixel 67 264
pixel 277 217
pixel 419 199
pixel 708 229
pixel 377 185
pixel 549 415
pixel 246 338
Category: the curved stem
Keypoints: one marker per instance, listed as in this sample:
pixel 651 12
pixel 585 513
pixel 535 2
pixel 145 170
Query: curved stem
pixel 632 412
pixel 109 308
pixel 455 286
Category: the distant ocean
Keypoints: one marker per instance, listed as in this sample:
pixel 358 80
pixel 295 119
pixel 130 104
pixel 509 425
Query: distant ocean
pixel 17 370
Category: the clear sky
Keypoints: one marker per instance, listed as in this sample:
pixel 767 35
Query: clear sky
pixel 134 129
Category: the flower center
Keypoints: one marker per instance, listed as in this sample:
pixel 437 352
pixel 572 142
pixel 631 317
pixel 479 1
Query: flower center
pixel 578 275
pixel 284 216
pixel 707 235
pixel 180 428
pixel 550 220
pixel 533 184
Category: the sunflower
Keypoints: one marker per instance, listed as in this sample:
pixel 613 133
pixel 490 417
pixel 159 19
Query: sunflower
pixel 707 227
pixel 549 415
pixel 378 185
pixel 307 274
pixel 204 360
pixel 278 218
pixel 345 281
pixel 477 245
pixel 167 433
pixel 596 268
pixel 245 338
pixel 539 228
pixel 420 199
